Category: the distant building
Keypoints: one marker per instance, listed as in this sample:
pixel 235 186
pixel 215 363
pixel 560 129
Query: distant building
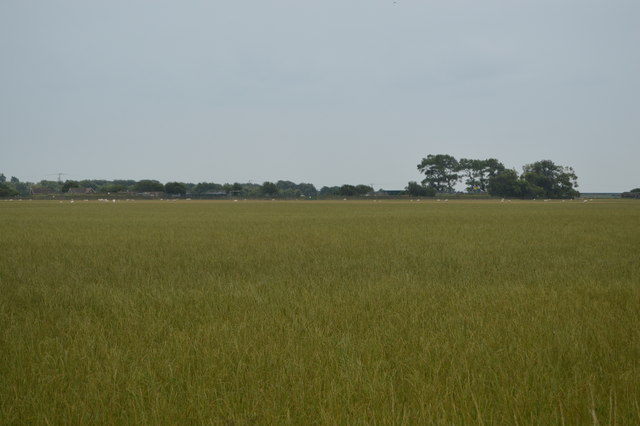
pixel 388 192
pixel 631 195
pixel 81 191
pixel 41 191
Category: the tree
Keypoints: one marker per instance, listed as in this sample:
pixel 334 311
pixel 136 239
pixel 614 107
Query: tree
pixel 554 180
pixel 508 184
pixel 347 191
pixel 3 178
pixel 635 190
pixel 288 189
pixel 354 191
pixel 21 187
pixel 364 189
pixel 504 184
pixel 203 187
pixel 440 172
pixel 148 185
pixel 114 187
pixel 307 189
pixel 68 184
pixel 51 185
pixel 416 190
pixel 6 190
pixel 478 172
pixel 269 188
pixel 329 190
pixel 175 188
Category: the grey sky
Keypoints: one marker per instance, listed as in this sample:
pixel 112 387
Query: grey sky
pixel 327 92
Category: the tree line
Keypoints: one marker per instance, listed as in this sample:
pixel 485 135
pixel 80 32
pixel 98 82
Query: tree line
pixel 442 173
pixel 542 179
pixel 283 188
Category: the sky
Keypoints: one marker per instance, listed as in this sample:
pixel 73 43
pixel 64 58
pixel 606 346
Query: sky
pixel 328 92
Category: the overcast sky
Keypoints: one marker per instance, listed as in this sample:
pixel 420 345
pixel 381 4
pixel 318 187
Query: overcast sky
pixel 327 92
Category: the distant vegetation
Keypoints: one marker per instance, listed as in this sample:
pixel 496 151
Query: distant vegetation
pixel 442 172
pixel 542 179
pixel 284 189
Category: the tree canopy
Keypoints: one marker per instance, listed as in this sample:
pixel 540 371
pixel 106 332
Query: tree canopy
pixel 148 185
pixel 543 178
pixel 6 190
pixel 417 190
pixel 540 179
pixel 440 172
pixel 269 188
pixel 175 188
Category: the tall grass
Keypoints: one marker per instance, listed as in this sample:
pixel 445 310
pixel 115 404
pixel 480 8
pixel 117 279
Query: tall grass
pixel 320 313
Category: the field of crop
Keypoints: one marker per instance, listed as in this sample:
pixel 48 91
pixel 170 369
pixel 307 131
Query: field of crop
pixel 320 312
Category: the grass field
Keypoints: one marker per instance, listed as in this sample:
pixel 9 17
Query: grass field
pixel 320 313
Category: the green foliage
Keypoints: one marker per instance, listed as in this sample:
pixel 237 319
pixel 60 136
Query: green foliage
pixel 416 190
pixel 364 189
pixel 347 191
pixel 307 189
pixel 51 185
pixel 554 180
pixel 204 187
pixel 69 184
pixel 353 191
pixel 479 172
pixel 540 179
pixel 7 190
pixel 114 188
pixel 13 187
pixel 326 191
pixel 269 188
pixel 175 188
pixel 148 185
pixel 440 172
pixel 635 190
pixel 508 184
pixel 288 189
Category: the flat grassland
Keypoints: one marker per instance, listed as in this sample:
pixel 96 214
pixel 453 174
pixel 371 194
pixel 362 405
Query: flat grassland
pixel 320 312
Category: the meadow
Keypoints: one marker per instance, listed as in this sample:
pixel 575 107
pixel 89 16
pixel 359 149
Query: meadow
pixel 320 312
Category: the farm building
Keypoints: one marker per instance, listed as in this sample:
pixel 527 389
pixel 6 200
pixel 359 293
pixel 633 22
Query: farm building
pixel 631 195
pixel 81 191
pixel 41 191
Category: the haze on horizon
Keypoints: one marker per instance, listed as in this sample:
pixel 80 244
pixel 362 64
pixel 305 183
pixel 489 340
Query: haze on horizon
pixel 328 93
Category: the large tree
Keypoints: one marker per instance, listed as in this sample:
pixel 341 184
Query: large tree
pixel 307 189
pixel 269 188
pixel 329 190
pixel 175 188
pixel 508 184
pixel 440 172
pixel 478 172
pixel 554 180
pixel 6 190
pixel 539 179
pixel 148 185
pixel 68 184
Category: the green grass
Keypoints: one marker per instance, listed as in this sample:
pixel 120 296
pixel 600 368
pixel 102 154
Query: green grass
pixel 320 313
